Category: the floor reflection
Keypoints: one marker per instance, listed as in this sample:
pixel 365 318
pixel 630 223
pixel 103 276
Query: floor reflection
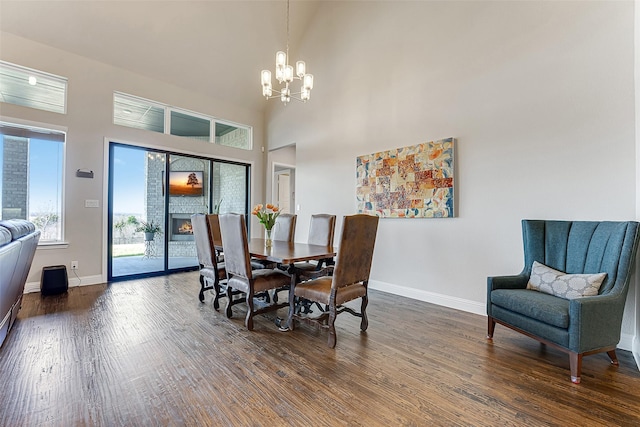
pixel 125 266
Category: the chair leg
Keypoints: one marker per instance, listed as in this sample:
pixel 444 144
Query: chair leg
pixel 364 323
pixel 613 357
pixel 491 327
pixel 216 299
pixel 248 321
pixel 332 329
pixel 575 363
pixel 201 295
pixel 292 309
pixel 229 302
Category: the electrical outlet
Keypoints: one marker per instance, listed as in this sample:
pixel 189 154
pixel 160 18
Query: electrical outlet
pixel 74 265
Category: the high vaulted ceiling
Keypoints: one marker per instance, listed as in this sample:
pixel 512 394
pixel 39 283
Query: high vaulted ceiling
pixel 212 47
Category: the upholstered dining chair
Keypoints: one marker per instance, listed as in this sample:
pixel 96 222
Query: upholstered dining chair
pixel 349 281
pixel 212 273
pixel 284 230
pixel 240 275
pixel 321 232
pixel 216 235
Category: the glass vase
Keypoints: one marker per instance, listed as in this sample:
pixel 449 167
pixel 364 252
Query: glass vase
pixel 268 243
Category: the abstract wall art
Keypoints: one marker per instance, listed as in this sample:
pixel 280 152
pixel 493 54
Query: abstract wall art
pixel 408 182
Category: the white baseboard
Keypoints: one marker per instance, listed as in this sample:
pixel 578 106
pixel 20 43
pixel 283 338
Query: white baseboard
pixel 73 282
pixel 626 342
pixel 636 351
pixel 431 297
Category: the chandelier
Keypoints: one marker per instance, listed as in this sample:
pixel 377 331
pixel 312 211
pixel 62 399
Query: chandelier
pixel 285 75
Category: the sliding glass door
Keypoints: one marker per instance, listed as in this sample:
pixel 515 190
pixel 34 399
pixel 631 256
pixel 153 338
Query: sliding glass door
pixel 152 195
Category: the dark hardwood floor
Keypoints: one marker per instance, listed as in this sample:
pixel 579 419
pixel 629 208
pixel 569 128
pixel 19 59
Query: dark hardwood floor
pixel 148 353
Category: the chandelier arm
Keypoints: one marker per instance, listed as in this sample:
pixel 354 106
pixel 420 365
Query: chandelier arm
pixel 290 97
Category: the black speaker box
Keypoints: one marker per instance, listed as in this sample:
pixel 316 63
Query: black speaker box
pixel 54 280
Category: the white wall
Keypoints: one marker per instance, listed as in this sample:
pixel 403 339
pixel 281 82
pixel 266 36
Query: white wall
pixel 539 95
pixel 89 121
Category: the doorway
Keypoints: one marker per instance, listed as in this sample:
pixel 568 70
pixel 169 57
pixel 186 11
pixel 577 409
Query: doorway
pixel 283 192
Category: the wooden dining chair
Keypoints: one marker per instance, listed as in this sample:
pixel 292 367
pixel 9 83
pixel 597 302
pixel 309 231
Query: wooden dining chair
pixel 239 273
pixel 216 235
pixel 349 281
pixel 212 273
pixel 321 232
pixel 284 230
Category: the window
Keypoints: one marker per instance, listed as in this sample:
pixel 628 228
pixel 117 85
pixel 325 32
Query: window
pixel 31 166
pixel 188 125
pixel 32 88
pixel 131 111
pixel 233 136
pixel 137 113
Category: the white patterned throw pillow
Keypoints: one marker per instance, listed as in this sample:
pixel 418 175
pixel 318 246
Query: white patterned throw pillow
pixel 569 286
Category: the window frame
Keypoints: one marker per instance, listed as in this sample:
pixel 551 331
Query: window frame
pixel 193 114
pixel 20 123
pixel 134 98
pixel 168 109
pixel 41 74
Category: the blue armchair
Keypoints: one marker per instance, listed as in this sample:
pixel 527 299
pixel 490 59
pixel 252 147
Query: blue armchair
pixel 579 326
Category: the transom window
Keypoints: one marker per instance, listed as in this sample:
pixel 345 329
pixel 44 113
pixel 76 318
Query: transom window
pixel 140 113
pixel 31 88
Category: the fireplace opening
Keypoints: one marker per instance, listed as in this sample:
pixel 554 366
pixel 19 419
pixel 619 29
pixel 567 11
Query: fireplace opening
pixel 181 228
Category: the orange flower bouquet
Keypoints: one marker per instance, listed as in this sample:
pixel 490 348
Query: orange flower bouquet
pixel 267 216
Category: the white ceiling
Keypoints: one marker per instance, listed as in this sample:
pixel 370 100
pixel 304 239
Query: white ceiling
pixel 212 47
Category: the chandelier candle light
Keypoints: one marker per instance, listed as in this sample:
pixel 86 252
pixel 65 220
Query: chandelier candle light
pixel 285 74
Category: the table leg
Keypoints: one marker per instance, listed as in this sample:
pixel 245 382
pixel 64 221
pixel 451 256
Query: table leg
pixel 289 324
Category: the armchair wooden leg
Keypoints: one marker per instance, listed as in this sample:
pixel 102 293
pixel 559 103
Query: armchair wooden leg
pixel 613 357
pixel 364 324
pixel 491 327
pixel 575 363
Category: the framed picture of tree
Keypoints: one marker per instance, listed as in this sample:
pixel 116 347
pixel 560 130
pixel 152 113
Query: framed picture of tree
pixel 186 183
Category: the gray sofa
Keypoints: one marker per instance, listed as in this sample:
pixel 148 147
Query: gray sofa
pixel 18 242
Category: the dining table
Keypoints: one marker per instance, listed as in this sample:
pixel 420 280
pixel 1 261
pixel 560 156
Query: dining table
pixel 287 253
